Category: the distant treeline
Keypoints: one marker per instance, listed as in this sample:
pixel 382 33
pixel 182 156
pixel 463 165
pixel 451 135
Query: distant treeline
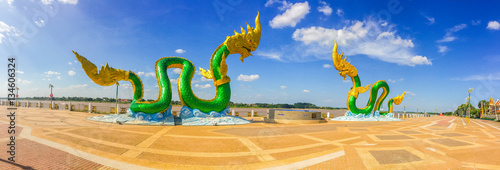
pixel 298 105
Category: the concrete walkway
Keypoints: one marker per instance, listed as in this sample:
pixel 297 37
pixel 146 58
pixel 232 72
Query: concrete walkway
pixel 417 143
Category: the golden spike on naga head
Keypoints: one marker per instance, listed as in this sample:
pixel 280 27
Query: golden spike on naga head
pixel 398 99
pixel 245 42
pixel 106 76
pixel 344 67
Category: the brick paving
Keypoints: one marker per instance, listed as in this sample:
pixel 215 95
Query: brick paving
pixel 32 155
pixel 415 143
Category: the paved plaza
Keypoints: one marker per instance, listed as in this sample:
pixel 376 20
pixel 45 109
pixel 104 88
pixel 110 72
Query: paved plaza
pixel 60 139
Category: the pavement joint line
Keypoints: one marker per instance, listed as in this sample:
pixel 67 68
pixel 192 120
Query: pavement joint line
pixel 435 150
pixel 193 154
pixel 314 138
pixel 146 143
pixel 309 162
pixel 482 166
pixel 478 124
pixel 463 121
pixel 487 133
pixel 491 125
pixel 26 133
pixel 452 120
pixel 410 127
pixel 427 125
pixel 451 125
pixel 204 137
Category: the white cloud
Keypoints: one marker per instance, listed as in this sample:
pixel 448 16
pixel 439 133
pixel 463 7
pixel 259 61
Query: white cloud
pixel 20 72
pixel 476 22
pixel 252 77
pixel 202 79
pixel 419 60
pixel 394 81
pixel 340 12
pixel 493 25
pixel 70 63
pixel 283 87
pixel 270 55
pixel 449 37
pixel 6 31
pixel 284 4
pixel 177 70
pixel 202 86
pixel 306 91
pixel 410 93
pixel 78 86
pixel 325 9
pixel 291 16
pixel 5 28
pixel 71 73
pixel 327 66
pixel 358 37
pixel 442 49
pixel 127 86
pixel 23 82
pixel 49 73
pixel 180 51
pixel 71 2
pixel 141 73
pixel 1 37
pixel 493 76
pixel 172 81
pixel 58 77
pixel 8 2
pixel 430 19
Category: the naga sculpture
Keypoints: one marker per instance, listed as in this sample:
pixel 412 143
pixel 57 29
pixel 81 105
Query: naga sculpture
pixel 346 69
pixel 242 43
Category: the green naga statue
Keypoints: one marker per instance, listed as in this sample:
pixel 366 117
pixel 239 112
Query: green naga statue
pixel 242 43
pixel 346 69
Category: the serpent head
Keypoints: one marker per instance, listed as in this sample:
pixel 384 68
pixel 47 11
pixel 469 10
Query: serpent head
pixel 344 67
pixel 106 76
pixel 245 42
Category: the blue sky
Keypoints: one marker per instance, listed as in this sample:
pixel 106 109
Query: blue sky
pixel 433 50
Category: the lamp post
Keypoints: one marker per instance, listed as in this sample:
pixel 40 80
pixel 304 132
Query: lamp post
pixel 116 98
pixel 51 96
pixel 404 110
pixel 417 110
pixel 468 101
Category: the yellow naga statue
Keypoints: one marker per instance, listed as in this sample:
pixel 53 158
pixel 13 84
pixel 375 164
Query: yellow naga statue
pixel 346 69
pixel 240 43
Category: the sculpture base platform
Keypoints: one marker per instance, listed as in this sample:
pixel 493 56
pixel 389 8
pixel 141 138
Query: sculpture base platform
pixel 349 116
pixel 187 117
pixel 293 116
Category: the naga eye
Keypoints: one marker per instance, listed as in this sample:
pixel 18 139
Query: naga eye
pixel 249 41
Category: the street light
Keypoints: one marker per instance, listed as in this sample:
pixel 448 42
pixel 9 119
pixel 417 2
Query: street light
pixel 17 94
pixel 51 96
pixel 404 109
pixel 468 102
pixel 116 98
